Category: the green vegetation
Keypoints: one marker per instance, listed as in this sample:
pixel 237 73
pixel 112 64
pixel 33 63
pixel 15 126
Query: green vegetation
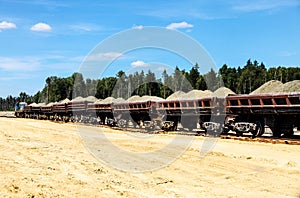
pixel 240 80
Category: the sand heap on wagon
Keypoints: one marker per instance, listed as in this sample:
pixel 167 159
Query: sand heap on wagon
pixel 275 86
pixel 144 98
pixel 195 94
pixel 268 87
pixel 222 92
pixel 110 100
pixel 292 86
pixel 176 95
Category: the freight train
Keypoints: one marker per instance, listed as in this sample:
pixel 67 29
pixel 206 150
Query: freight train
pixel 214 115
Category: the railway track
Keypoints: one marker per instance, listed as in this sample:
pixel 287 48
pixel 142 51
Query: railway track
pixel 294 140
pixel 7 114
pixel 271 140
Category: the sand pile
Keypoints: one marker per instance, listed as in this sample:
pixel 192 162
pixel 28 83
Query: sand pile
pixel 292 86
pixel 64 101
pixel 51 104
pixel 98 101
pixel 195 94
pixel 77 99
pixel 91 98
pixel 107 100
pixel 134 98
pixel 268 87
pixel 119 100
pixel 81 99
pixel 33 104
pixel 110 100
pixel 176 95
pixel 150 98
pixel 37 105
pixel 222 92
pixel 145 98
pixel 275 86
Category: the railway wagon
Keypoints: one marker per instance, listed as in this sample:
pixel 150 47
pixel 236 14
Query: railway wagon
pixel 123 114
pixel 60 111
pixel 33 110
pixel 77 109
pixel 138 113
pixel 239 113
pixel 280 112
pixel 190 112
pixel 46 111
pixel 103 111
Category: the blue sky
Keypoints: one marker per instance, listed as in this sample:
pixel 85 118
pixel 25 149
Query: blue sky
pixel 47 37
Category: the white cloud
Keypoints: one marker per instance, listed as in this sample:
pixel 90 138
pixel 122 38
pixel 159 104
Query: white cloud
pixel 287 53
pixel 47 3
pixel 77 58
pixel 7 25
pixel 137 27
pixel 85 27
pixel 161 69
pixel 16 77
pixel 81 27
pixel 18 64
pixel 139 63
pixel 180 25
pixel 103 56
pixel 41 27
pixel 265 5
pixel 29 63
pixel 172 12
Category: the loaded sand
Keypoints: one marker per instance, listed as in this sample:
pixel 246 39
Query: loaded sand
pixel 292 86
pixel 222 92
pixel 195 94
pixel 268 87
pixel 176 95
pixel 275 86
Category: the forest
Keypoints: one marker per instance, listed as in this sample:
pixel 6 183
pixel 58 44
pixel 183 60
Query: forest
pixel 241 80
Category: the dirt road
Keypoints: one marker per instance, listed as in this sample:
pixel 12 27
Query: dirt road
pixel 46 159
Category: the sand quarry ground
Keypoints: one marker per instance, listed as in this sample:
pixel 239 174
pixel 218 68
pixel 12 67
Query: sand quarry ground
pixel 47 159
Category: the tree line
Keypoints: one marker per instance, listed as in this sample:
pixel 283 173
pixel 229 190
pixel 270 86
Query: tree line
pixel 241 80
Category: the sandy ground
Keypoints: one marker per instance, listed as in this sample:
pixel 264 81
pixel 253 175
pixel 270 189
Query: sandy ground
pixel 46 159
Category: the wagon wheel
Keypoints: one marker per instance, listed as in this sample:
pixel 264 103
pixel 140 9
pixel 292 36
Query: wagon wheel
pixel 260 129
pixel 239 133
pixel 225 131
